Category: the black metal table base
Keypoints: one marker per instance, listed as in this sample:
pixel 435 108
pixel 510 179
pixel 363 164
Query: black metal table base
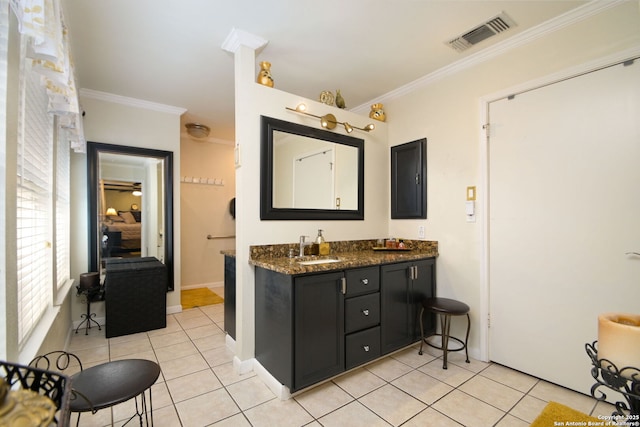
pixel 88 318
pixel 625 381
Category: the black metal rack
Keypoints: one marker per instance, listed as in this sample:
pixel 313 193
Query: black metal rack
pixel 625 381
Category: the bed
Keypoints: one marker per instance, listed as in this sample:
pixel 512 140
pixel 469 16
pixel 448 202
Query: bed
pixel 123 232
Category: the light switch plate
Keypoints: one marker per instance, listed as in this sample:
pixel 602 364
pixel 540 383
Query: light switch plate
pixel 421 232
pixel 471 193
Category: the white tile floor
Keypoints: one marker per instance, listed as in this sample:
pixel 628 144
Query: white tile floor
pixel 199 387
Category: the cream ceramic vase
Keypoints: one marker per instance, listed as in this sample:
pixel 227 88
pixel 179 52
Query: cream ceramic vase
pixel 619 340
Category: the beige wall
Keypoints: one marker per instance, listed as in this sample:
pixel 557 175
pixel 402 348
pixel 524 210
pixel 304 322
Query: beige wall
pixel 119 122
pixel 204 211
pixel 449 112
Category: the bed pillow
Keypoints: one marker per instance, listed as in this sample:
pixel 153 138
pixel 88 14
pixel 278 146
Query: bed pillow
pixel 137 215
pixel 128 218
pixel 115 218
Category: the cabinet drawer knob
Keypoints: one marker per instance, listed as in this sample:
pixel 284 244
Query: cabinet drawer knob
pixel 366 348
pixel 365 281
pixel 365 312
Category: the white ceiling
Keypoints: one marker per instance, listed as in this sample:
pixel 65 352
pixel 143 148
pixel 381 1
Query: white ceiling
pixel 169 52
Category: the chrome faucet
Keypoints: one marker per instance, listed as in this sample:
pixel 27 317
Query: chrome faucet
pixel 304 243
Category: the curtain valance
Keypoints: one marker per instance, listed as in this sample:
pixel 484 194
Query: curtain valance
pixel 43 22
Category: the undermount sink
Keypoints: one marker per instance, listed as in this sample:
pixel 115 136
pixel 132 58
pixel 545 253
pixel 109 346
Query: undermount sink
pixel 318 261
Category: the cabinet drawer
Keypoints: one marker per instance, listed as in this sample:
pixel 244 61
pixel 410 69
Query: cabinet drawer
pixel 362 280
pixel 361 312
pixel 362 347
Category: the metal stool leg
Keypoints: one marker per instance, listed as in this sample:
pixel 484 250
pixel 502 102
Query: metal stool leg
pixel 466 338
pixel 421 331
pixel 445 319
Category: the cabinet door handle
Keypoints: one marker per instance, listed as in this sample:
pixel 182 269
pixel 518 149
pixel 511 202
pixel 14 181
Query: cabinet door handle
pixel 413 275
pixel 365 312
pixel 344 285
pixel 365 281
pixel 366 348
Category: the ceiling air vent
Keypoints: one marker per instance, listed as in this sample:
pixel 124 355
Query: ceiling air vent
pixel 482 32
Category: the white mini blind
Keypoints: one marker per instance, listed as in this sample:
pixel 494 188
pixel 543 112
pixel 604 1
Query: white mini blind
pixel 34 172
pixel 62 236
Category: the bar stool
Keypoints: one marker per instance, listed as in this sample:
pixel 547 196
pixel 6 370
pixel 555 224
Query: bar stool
pixel 89 287
pixel 446 308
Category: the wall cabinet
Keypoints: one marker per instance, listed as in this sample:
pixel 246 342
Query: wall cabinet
pixel 409 180
pixel 404 286
pixel 314 326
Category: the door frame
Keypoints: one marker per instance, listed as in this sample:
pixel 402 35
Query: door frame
pixel 484 131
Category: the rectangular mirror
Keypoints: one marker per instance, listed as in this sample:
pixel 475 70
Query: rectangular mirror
pixel 130 205
pixel 308 173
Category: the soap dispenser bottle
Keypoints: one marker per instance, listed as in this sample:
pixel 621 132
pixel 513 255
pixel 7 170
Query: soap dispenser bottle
pixel 323 247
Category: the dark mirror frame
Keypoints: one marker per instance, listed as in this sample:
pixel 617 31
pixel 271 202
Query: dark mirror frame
pixel 93 151
pixel 267 211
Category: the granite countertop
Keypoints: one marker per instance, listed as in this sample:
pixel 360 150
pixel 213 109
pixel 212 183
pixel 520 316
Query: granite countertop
pixel 352 254
pixel 229 252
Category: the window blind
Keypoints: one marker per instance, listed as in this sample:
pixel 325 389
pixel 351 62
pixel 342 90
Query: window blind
pixel 34 166
pixel 62 234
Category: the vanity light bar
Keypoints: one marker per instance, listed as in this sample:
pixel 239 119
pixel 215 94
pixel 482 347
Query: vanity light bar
pixel 329 121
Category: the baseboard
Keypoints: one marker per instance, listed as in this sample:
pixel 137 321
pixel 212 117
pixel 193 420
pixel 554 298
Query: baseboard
pixel 280 390
pixel 174 309
pixel 230 343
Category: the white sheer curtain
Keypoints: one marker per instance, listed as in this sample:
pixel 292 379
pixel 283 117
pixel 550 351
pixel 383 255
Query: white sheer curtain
pixel 43 22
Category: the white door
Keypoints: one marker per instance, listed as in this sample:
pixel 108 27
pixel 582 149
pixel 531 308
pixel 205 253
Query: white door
pixel 564 208
pixel 313 180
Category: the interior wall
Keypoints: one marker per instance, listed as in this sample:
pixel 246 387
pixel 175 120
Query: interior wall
pixel 448 113
pixel 205 211
pixel 120 124
pixel 252 101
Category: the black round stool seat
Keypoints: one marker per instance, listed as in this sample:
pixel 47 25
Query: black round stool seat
pixel 445 308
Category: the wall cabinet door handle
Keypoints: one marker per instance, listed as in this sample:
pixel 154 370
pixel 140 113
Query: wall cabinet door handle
pixel 365 312
pixel 365 281
pixel 366 348
pixel 344 285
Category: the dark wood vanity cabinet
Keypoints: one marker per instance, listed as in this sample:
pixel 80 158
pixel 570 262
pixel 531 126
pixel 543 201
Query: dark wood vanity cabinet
pixel 300 326
pixel 362 315
pixel 318 328
pixel 314 326
pixel 404 286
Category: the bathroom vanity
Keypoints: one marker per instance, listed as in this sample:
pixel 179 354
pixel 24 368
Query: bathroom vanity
pixel 318 320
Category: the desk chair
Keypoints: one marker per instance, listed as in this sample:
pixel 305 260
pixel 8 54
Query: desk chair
pixel 61 361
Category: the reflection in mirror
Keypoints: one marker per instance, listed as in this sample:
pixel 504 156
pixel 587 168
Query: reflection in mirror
pixel 130 204
pixel 313 174
pixel 309 173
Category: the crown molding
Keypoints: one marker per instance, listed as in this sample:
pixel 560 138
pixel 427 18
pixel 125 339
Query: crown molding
pixel 131 102
pixel 562 21
pixel 237 38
